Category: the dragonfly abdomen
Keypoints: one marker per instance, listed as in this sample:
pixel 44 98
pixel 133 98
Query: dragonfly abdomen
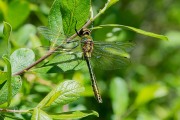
pixel 93 82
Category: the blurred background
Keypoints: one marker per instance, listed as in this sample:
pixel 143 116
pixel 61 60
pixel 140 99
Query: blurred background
pixel 148 89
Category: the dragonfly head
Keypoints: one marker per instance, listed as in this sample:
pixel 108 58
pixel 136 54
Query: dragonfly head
pixel 84 31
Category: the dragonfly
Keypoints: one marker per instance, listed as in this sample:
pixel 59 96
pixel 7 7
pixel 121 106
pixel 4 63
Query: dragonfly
pixel 96 54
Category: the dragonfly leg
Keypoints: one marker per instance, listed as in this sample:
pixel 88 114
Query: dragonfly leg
pixel 71 41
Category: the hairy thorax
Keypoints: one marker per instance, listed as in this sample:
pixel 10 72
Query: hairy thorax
pixel 87 46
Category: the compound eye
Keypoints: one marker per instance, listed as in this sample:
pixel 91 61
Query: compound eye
pixel 86 33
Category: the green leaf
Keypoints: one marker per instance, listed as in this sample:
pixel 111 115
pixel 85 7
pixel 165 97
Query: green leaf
pixel 64 93
pixel 18 11
pixel 162 37
pixel 40 115
pixel 55 18
pixel 9 82
pixel 3 76
pixel 74 114
pixel 72 11
pixel 63 17
pixel 54 32
pixel 7 32
pixel 62 63
pixel 15 84
pixel 21 59
pixel 119 96
pixel 11 117
pixel 149 93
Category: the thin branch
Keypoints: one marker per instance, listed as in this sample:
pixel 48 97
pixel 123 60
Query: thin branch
pixel 36 62
pixel 13 111
pixel 50 52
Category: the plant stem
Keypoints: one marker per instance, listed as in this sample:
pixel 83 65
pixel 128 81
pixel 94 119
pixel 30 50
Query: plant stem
pixel 50 52
pixel 13 111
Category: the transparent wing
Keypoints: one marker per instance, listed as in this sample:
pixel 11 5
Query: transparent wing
pixel 111 55
pixel 63 63
pixel 71 46
pixel 53 36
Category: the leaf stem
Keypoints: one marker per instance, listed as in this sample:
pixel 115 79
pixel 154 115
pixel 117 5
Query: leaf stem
pixel 13 111
pixel 9 73
pixel 50 52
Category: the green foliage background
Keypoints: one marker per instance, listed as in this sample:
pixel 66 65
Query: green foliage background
pixel 148 89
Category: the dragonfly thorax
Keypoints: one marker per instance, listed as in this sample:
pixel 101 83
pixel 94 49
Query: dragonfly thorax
pixel 86 42
pixel 87 46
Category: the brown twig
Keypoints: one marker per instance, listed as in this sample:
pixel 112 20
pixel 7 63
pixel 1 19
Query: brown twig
pixel 13 111
pixel 36 62
pixel 49 53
